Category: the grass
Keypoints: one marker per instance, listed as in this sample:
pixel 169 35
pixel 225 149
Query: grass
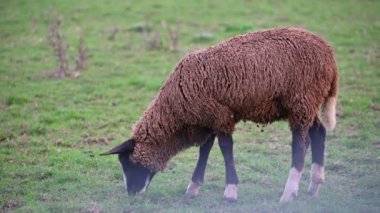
pixel 52 130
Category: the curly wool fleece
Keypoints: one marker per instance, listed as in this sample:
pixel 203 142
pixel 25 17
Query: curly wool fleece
pixel 263 76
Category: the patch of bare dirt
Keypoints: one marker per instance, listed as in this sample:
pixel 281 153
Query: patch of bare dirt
pixel 93 209
pixel 97 141
pixel 375 107
pixel 376 144
pixel 92 141
pixel 10 205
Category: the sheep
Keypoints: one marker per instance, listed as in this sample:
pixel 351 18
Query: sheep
pixel 264 76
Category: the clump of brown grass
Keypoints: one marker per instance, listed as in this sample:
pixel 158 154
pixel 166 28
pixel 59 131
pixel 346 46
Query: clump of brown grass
pixel 152 37
pixel 173 35
pixel 81 57
pixel 59 46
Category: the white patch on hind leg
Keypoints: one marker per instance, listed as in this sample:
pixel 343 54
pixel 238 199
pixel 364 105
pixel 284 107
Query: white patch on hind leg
pixel 291 187
pixel 230 192
pixel 317 177
pixel 193 189
pixel 125 180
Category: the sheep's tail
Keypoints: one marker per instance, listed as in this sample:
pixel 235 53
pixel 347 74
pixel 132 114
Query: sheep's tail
pixel 328 115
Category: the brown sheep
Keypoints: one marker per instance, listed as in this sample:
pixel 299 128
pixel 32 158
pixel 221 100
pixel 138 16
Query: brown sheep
pixel 265 76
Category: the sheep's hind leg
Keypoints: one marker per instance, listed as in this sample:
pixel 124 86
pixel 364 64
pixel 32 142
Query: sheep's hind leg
pixel 317 173
pixel 199 172
pixel 299 147
pixel 226 146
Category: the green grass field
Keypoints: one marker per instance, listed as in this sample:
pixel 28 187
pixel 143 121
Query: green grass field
pixel 52 130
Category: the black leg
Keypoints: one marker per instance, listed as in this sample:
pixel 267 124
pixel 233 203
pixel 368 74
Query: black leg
pixel 204 151
pixel 226 146
pixel 199 172
pixel 317 134
pixel 299 148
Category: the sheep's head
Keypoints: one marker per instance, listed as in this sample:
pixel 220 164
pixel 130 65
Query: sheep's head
pixel 136 176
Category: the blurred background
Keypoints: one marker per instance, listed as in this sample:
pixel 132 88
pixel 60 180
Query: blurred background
pixel 76 75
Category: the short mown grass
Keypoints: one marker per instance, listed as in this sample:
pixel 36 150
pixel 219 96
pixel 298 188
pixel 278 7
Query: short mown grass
pixel 52 130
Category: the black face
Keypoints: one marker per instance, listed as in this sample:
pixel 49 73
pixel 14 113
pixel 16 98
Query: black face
pixel 136 177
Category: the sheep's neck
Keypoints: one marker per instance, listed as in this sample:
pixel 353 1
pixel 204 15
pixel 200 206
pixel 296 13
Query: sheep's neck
pixel 153 134
pixel 160 145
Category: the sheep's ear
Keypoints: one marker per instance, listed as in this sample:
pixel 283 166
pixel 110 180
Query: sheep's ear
pixel 127 146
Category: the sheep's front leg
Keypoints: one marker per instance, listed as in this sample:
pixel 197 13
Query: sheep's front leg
pixel 199 172
pixel 317 174
pixel 226 146
pixel 299 147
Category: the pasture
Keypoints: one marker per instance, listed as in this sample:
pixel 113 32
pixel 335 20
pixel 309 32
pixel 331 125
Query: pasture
pixel 52 130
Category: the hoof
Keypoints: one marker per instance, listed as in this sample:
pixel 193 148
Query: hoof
pixel 291 187
pixel 288 196
pixel 230 193
pixel 313 189
pixel 317 177
pixel 193 189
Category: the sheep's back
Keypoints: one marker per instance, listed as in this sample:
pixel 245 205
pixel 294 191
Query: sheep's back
pixel 258 74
